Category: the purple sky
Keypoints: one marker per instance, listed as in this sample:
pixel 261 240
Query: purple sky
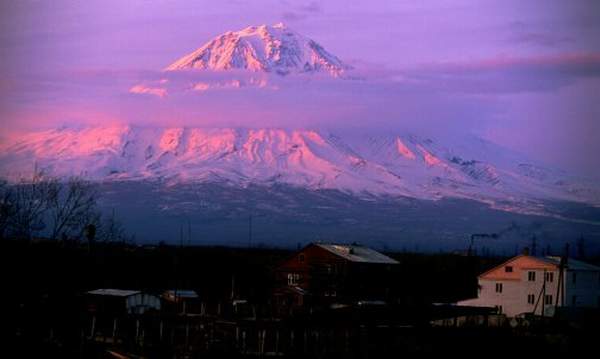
pixel 522 73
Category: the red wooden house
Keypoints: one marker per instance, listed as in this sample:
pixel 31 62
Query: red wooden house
pixel 334 273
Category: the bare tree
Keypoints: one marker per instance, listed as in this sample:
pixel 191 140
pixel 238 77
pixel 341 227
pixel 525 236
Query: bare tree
pixel 71 207
pixel 29 201
pixel 26 207
pixel 111 230
pixel 61 209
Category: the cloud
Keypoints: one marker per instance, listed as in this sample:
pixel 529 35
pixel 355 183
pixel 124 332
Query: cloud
pixel 301 12
pixel 535 97
pixel 522 33
pixel 539 39
pixel 154 91
pixel 567 61
pixel 292 16
pixel 311 7
pixel 228 98
pixel 506 74
pixel 434 96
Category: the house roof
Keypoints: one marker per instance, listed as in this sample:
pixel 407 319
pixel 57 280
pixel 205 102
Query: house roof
pixel 518 263
pixel 355 253
pixel 114 292
pixel 574 264
pixel 526 262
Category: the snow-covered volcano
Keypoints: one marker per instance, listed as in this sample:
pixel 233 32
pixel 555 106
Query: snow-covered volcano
pixel 275 49
pixel 364 164
pixel 392 164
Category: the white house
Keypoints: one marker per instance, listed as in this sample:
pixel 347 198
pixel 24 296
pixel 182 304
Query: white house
pixel 527 284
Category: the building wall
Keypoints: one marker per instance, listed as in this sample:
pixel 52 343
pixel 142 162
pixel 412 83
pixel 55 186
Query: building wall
pixel 513 299
pixel 141 302
pixel 315 268
pixel 333 278
pixel 582 289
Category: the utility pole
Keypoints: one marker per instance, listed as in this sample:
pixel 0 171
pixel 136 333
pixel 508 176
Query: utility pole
pixel 560 292
pixel 541 296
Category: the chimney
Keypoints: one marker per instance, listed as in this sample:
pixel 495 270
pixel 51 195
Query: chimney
pixel 525 251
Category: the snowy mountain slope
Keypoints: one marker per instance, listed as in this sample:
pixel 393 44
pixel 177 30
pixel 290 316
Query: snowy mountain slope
pixel 284 215
pixel 275 49
pixel 398 165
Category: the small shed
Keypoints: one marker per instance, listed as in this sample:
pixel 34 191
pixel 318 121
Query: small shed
pixel 185 301
pixel 121 301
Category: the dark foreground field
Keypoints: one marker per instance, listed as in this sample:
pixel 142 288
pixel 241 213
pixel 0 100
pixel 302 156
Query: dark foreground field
pixel 45 312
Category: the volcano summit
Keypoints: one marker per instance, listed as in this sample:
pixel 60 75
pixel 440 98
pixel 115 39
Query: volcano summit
pixel 274 49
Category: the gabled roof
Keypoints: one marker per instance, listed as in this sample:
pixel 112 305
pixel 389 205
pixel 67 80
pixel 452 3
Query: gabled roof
pixel 114 292
pixel 574 264
pixel 355 253
pixel 526 262
pixel 517 263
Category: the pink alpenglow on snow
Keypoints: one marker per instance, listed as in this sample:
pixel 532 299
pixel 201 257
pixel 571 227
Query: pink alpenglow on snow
pixel 403 150
pixel 274 49
pixel 399 83
pixel 462 168
pixel 430 159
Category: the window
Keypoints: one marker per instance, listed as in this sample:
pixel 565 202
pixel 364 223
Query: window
pixel 531 299
pixel 549 277
pixel 574 301
pixel 531 276
pixel 508 269
pixel 329 268
pixel 498 287
pixel 293 279
pixel 548 299
pixel 301 258
pixel 499 308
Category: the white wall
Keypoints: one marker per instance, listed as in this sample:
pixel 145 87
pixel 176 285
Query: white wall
pixel 513 298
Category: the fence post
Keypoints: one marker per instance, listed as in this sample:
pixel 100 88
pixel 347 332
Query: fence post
pixel 114 333
pixel 160 331
pixel 93 328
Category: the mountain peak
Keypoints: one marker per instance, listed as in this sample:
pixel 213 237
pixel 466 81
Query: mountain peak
pixel 261 28
pixel 276 49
